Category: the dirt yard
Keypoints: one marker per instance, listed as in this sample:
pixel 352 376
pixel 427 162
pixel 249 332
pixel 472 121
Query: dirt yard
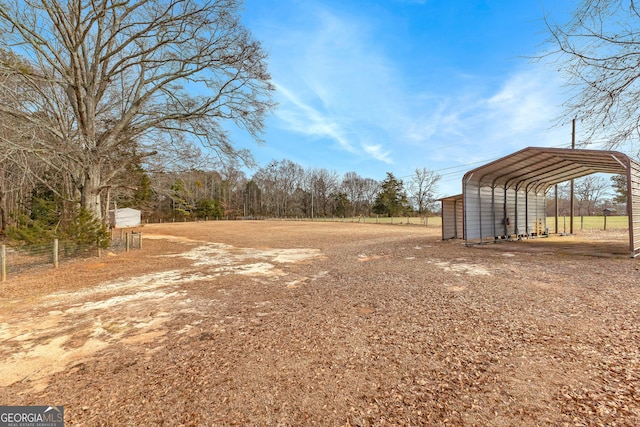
pixel 329 324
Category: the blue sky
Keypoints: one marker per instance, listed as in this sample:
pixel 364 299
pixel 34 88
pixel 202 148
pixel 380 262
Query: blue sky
pixel 395 85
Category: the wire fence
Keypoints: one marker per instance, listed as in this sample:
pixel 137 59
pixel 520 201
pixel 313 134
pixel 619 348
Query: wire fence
pixel 17 258
pixel 430 221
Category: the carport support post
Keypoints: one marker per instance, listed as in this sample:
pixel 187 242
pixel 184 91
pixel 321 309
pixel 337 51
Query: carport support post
pixel 556 197
pixel 526 211
pixel 480 211
pixel 3 263
pixel 55 253
pixel 493 211
pixel 504 214
pixel 515 204
pixel 571 204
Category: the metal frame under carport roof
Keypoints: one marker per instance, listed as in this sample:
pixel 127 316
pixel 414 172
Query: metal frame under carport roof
pixel 508 196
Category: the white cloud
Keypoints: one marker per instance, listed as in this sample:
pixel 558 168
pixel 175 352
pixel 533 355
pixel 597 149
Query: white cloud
pixel 527 103
pixel 339 80
pixel 304 119
pixel 337 85
pixel 377 152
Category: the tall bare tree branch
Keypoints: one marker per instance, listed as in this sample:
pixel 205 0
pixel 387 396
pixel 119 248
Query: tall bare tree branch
pixel 109 76
pixel 598 51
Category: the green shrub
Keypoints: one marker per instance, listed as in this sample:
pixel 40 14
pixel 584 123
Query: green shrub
pixel 78 230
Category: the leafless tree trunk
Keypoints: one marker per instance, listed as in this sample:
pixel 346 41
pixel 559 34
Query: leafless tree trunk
pixel 589 191
pixel 422 189
pixel 325 183
pixel 354 186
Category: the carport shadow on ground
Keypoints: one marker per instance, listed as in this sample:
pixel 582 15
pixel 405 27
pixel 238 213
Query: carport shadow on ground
pixel 597 245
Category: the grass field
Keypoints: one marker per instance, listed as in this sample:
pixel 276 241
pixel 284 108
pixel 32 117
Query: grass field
pixel 589 223
pixel 432 221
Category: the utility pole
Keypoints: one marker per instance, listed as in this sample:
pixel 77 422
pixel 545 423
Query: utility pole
pixel 571 204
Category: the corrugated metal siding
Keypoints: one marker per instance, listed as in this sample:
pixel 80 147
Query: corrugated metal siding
pixel 486 210
pixel 511 212
pixel 452 218
pixel 459 219
pixel 448 219
pixel 521 213
pixel 471 211
pixel 498 213
pixel 633 199
pixel 541 211
pixel 489 217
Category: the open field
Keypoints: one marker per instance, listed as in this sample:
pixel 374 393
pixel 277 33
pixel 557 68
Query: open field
pixel 431 221
pixel 329 324
pixel 618 222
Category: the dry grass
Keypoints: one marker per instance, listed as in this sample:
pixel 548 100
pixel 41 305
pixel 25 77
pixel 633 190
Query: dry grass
pixel 295 323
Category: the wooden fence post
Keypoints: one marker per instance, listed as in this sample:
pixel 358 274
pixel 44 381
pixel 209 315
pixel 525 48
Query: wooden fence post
pixel 55 253
pixel 140 242
pixel 3 263
pixel 126 242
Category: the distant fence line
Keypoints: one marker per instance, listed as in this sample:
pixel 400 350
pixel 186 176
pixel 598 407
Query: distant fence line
pixel 433 221
pixel 580 222
pixel 430 221
pixel 600 222
pixel 17 258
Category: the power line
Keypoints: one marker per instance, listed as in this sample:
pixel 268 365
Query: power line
pixel 465 165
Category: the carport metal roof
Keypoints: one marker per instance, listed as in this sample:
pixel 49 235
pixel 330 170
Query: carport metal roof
pixel 544 167
pixel 537 169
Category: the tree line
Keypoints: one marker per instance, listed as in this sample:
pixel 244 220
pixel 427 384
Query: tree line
pixel 280 189
pixel 592 194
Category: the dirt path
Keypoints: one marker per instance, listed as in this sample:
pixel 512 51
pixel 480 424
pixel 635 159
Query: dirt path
pixel 277 323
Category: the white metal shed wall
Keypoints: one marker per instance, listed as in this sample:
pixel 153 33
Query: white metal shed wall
pixel 633 206
pixel 492 213
pixel 452 218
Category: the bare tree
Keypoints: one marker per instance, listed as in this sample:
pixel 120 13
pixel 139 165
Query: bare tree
pixel 353 185
pixel 290 176
pixel 18 168
pixel 324 184
pixel 113 80
pixel 588 192
pixel 422 189
pixel 370 191
pixel 599 52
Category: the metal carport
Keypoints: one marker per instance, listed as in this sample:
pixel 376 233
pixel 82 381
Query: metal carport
pixel 507 197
